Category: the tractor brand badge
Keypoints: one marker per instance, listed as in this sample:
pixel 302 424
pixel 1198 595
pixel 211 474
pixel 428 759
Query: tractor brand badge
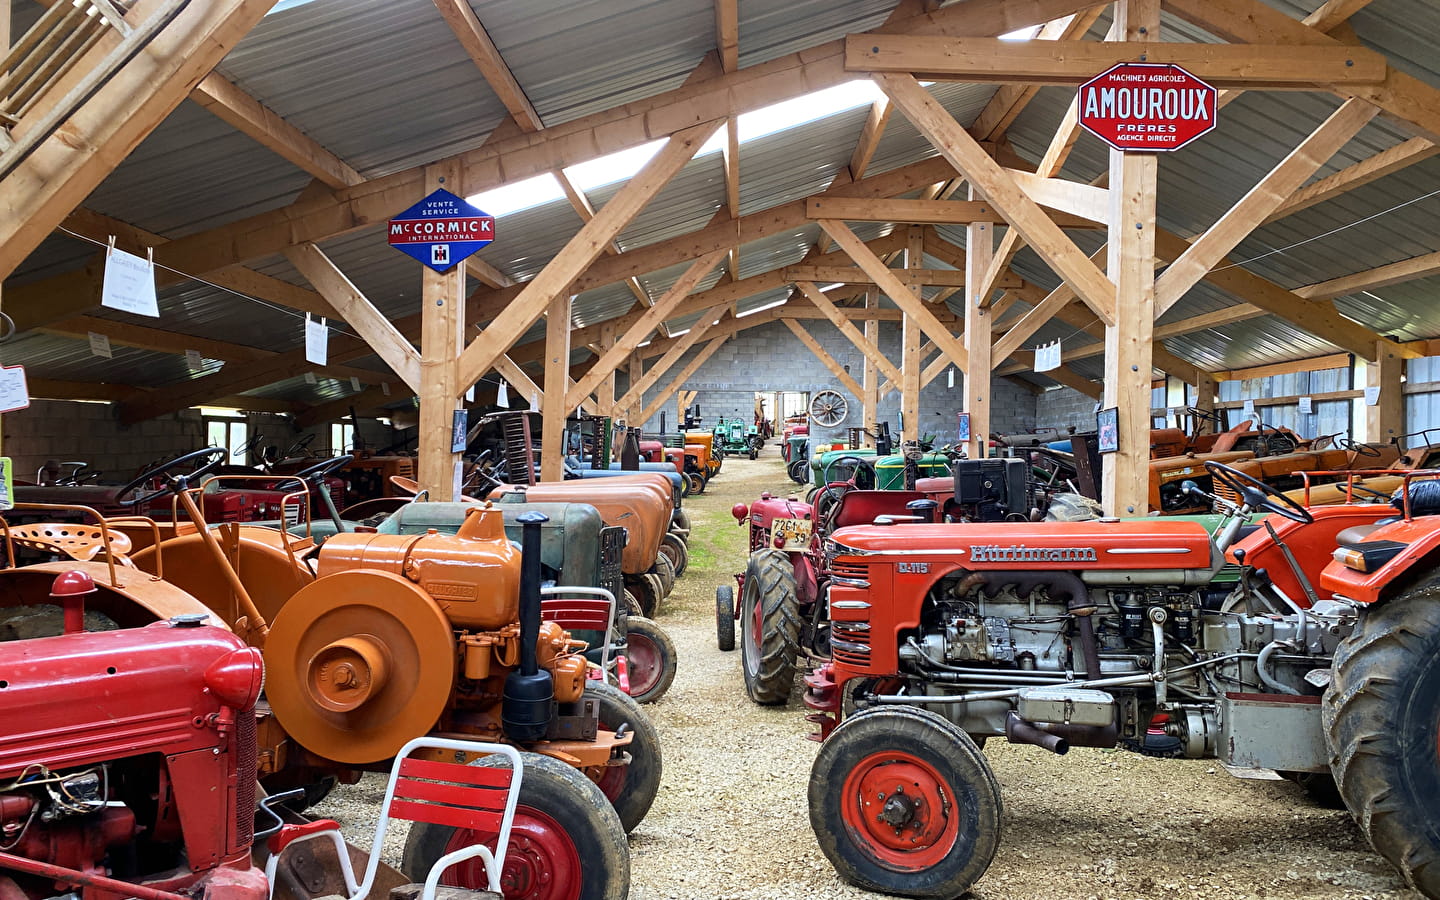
pixel 913 568
pixel 451 590
pixel 1022 553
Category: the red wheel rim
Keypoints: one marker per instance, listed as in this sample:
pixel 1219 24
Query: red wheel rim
pixel 900 810
pixel 645 664
pixel 541 862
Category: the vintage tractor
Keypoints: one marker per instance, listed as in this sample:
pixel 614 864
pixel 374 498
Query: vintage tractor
pixel 738 437
pixel 391 637
pixel 1117 633
pixel 128 767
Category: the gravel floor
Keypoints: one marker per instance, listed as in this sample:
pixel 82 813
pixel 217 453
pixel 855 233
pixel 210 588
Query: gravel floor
pixel 731 819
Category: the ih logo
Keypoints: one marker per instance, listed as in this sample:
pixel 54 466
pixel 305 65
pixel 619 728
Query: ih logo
pixel 439 254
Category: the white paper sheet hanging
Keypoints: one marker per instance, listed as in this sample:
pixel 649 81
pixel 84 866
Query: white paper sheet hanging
pixel 502 395
pixel 129 284
pixel 14 392
pixel 100 345
pixel 1307 406
pixel 1372 395
pixel 317 341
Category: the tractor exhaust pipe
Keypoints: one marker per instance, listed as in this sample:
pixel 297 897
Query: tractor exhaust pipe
pixel 1019 731
pixel 529 692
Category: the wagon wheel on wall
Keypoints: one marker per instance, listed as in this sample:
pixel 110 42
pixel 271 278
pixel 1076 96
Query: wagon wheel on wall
pixel 828 408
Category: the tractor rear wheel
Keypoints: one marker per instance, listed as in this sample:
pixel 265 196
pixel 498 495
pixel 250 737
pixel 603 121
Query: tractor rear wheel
pixel 797 469
pixel 631 789
pixel 672 546
pixel 903 802
pixel 652 659
pixel 1381 716
pixel 562 818
pixel 725 617
pixel 770 614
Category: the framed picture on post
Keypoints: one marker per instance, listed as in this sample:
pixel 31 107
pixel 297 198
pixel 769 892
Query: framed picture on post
pixel 1107 426
pixel 962 431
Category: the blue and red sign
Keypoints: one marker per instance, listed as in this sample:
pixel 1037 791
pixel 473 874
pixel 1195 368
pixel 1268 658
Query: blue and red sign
pixel 441 230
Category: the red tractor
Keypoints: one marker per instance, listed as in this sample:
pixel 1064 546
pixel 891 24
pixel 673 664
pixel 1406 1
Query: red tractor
pixel 1116 633
pixel 134 772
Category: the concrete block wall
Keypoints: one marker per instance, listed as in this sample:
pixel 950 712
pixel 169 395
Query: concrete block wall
pixel 1065 408
pixel 65 430
pixel 770 358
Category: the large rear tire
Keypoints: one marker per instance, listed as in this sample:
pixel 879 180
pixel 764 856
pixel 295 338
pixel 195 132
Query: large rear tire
pixel 630 789
pixel 903 802
pixel 770 624
pixel 725 617
pixel 672 546
pixel 561 819
pixel 652 659
pixel 1381 716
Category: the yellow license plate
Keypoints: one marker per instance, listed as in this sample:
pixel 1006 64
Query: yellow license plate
pixel 793 530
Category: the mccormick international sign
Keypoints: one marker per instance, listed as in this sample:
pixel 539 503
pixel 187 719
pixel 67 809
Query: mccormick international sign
pixel 1145 106
pixel 441 230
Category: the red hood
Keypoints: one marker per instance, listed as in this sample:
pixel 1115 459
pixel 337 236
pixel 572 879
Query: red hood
pixel 1027 545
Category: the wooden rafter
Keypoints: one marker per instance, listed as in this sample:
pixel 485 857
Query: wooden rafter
pixel 636 393
pixel 839 319
pixel 476 41
pixel 1372 279
pixel 666 393
pixel 583 207
pixel 826 360
pixel 1011 99
pixel 727 33
pixel 1384 163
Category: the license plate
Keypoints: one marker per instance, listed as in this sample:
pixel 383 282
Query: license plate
pixel 793 530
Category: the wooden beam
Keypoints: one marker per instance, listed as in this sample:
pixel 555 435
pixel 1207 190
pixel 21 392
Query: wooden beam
pixel 853 275
pixel 865 345
pixel 251 117
pixel 1386 419
pixel 1333 12
pixel 580 252
pixel 1130 265
pixel 114 116
pixel 924 212
pixel 461 18
pixel 1038 315
pixel 870 398
pixel 582 206
pixel 870 134
pixel 1023 214
pixel 1384 163
pixel 911 329
pixel 442 317
pixel 898 292
pixel 826 360
pixel 635 395
pixel 1011 99
pixel 1073 62
pixel 1272 190
pixel 979 249
pixel 126 334
pixel 642 329
pixel 1310 364
pixel 511 372
pixel 565 144
pixel 553 406
pixel 1372 279
pixel 339 408
pixel 727 33
pixel 1085 201
pixel 356 309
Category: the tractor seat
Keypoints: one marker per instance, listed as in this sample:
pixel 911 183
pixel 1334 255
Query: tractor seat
pixel 78 542
pixel 862 507
pixel 1358 534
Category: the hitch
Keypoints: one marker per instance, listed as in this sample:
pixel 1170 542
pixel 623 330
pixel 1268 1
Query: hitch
pixel 823 696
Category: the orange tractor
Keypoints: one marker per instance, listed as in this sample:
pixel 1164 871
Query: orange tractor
pixel 372 640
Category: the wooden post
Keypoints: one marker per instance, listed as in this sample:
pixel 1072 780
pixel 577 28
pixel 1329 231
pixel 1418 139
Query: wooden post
pixel 605 393
pixel 1386 419
pixel 1205 390
pixel 442 322
pixel 910 337
pixel 552 404
pixel 1131 266
pixel 870 390
pixel 637 372
pixel 979 249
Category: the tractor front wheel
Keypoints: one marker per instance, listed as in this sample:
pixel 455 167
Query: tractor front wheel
pixel 797 469
pixel 903 802
pixel 1381 716
pixel 770 614
pixel 645 589
pixel 561 819
pixel 672 546
pixel 651 657
pixel 665 568
pixel 631 789
pixel 725 617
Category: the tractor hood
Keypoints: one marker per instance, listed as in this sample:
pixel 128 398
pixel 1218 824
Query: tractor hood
pixel 1099 545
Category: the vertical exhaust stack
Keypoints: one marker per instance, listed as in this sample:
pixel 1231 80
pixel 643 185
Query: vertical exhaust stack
pixel 529 692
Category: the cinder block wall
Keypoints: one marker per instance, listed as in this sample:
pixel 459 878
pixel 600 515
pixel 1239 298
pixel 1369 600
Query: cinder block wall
pixel 65 430
pixel 770 358
pixel 1065 408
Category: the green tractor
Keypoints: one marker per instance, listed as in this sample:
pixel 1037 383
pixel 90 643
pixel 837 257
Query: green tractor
pixel 739 437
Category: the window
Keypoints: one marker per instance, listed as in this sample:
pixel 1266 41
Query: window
pixel 342 438
pixel 230 434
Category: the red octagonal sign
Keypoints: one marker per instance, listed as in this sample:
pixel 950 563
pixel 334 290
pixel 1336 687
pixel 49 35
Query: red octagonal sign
pixel 1145 106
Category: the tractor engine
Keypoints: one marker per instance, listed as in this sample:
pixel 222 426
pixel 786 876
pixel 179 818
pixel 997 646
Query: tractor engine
pixel 135 762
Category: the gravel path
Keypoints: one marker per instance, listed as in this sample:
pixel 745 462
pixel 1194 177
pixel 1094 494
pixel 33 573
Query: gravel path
pixel 731 821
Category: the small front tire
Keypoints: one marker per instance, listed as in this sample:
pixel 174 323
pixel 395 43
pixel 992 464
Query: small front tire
pixel 652 659
pixel 725 617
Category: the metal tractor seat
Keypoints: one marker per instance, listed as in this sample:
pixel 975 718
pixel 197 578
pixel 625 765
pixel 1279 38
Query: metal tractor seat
pixel 78 542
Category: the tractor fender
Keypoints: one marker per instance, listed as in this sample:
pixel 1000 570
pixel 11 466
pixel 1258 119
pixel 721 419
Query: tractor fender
pixel 1421 556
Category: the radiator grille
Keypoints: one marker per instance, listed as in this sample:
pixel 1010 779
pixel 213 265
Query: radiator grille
pixel 245 778
pixel 850 643
pixel 612 551
pixel 850 570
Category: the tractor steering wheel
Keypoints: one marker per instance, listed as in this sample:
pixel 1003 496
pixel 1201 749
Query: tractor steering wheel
pixel 300 444
pixel 1204 415
pixel 324 467
pixel 1256 493
pixel 173 483
pixel 1358 448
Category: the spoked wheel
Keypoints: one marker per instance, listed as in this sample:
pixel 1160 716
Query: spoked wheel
pixel 651 658
pixel 562 818
pixel 631 789
pixel 903 802
pixel 1381 716
pixel 679 554
pixel 770 615
pixel 725 617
